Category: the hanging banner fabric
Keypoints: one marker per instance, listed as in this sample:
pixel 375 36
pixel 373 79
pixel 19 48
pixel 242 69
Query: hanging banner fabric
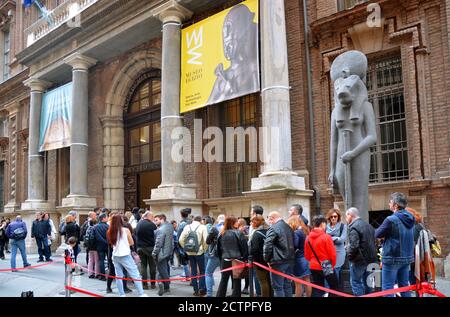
pixel 220 57
pixel 56 119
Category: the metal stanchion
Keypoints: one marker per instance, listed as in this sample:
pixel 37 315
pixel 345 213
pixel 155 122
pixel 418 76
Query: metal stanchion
pixel 251 279
pixel 68 278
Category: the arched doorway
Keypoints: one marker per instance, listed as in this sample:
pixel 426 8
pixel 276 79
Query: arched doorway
pixel 142 123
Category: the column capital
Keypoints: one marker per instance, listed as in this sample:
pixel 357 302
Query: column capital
pixel 36 84
pixel 171 11
pixel 80 62
pixel 12 108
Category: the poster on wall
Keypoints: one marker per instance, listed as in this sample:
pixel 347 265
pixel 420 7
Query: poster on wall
pixel 56 120
pixel 220 57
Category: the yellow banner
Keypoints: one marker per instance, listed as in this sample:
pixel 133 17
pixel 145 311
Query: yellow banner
pixel 220 57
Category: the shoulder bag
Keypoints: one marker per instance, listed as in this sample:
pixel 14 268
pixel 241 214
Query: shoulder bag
pixel 327 266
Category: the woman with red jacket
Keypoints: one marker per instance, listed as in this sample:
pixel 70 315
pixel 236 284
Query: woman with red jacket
pixel 319 247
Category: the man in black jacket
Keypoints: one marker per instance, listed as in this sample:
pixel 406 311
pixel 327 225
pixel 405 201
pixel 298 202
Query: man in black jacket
pixel 100 230
pixel 279 252
pixel 361 251
pixel 41 230
pixel 145 234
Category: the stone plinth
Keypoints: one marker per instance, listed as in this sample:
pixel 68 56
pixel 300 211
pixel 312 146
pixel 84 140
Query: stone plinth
pixel 171 207
pixel 280 180
pixel 281 199
pixel 80 204
pixel 37 205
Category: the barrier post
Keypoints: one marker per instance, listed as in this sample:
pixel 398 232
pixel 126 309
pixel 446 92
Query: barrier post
pixel 251 278
pixel 68 278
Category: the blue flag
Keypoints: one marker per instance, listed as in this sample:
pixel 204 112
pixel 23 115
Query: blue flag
pixel 28 3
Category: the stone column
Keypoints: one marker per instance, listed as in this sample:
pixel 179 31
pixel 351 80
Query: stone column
pixel 277 182
pixel 172 184
pixel 172 194
pixel 276 106
pixel 78 197
pixel 36 194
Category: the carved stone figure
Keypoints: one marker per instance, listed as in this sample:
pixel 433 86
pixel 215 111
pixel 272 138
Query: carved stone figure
pixel 352 131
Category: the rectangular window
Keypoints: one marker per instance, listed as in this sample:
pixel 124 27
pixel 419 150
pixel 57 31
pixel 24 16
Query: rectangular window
pixel 145 144
pixel 389 157
pixel 6 49
pixel 236 176
pixel 348 4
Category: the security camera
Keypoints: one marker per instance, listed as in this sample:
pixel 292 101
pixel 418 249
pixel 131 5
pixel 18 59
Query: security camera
pixel 10 13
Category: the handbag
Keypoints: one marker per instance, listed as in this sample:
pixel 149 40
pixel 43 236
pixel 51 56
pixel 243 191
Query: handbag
pixel 327 266
pixel 136 257
pixel 239 273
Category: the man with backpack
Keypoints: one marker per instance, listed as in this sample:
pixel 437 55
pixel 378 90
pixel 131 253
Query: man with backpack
pixel 193 242
pixel 92 217
pixel 17 232
pixel 90 243
pixel 183 256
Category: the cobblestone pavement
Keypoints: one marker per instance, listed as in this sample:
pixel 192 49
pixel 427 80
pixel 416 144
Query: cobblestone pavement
pixel 48 281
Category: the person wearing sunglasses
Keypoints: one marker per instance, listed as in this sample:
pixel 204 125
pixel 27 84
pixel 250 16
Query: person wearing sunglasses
pixel 338 232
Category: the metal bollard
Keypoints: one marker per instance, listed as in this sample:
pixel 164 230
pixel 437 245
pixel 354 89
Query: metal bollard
pixel 68 278
pixel 250 276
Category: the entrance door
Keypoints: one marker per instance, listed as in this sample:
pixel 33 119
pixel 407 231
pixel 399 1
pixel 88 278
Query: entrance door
pixel 147 181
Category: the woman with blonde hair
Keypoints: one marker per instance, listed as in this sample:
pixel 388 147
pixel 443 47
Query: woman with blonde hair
pixel 301 266
pixel 72 229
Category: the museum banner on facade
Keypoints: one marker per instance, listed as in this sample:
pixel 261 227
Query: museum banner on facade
pixel 220 57
pixel 56 120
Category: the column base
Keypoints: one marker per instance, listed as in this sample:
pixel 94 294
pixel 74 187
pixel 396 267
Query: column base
pixel 173 192
pixel 11 207
pixel 278 180
pixel 37 205
pixel 169 200
pixel 79 202
pixel 281 199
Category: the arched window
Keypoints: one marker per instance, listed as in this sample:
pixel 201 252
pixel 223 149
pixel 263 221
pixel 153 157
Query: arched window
pixel 146 96
pixel 142 119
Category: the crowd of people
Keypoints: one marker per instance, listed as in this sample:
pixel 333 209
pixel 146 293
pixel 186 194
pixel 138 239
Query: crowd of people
pixel 141 245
